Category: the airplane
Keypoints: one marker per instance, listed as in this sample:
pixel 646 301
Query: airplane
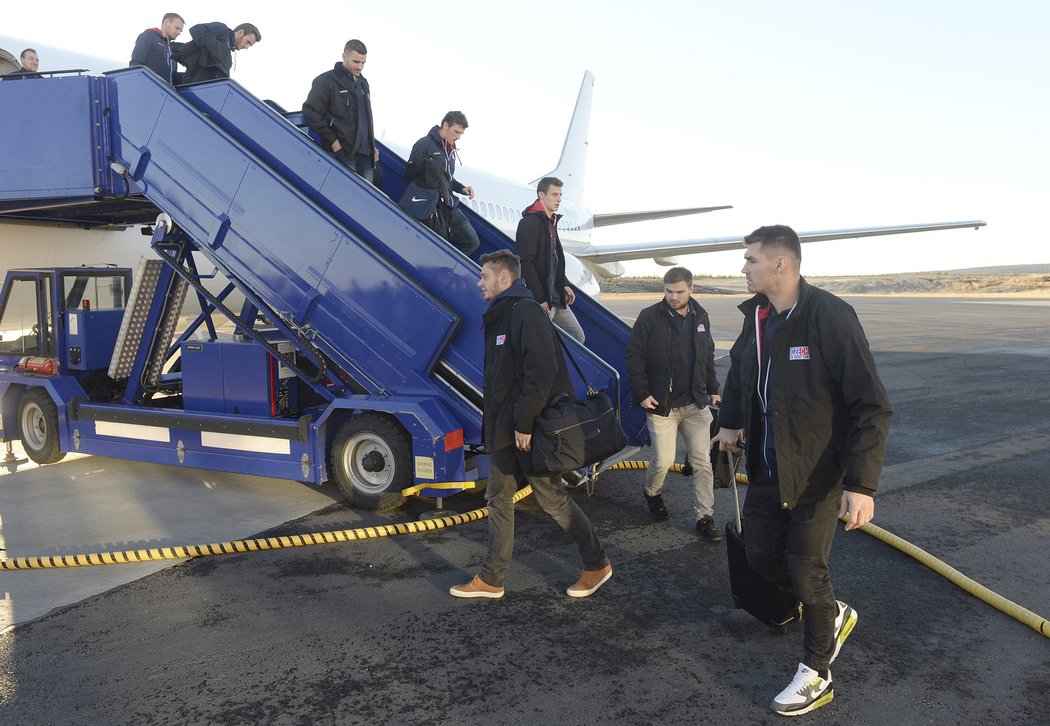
pixel 498 200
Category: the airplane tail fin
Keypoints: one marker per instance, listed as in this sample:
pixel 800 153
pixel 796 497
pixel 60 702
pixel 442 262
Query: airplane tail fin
pixel 573 159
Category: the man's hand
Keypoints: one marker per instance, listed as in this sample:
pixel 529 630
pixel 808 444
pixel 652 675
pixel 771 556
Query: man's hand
pixel 729 439
pixel 857 508
pixel 523 441
pixel 570 296
pixel 650 403
pixel 546 307
pixel 469 191
pixel 336 146
pixel 375 156
pixel 715 399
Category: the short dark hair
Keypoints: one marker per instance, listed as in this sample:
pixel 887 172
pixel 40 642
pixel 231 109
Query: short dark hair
pixel 504 259
pixel 355 45
pixel 547 182
pixel 455 118
pixel 779 236
pixel 678 274
pixel 22 55
pixel 171 16
pixel 249 29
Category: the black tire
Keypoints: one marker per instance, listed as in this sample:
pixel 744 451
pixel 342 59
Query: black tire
pixel 38 426
pixel 371 460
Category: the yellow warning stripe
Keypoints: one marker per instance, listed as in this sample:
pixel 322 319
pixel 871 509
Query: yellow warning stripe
pixel 464 485
pixel 250 545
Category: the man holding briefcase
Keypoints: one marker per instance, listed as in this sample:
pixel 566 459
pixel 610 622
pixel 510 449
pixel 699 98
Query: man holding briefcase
pixel 803 387
pixel 671 368
pixel 524 372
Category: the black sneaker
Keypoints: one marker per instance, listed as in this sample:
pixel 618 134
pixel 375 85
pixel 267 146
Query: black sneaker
pixel 656 506
pixel 705 527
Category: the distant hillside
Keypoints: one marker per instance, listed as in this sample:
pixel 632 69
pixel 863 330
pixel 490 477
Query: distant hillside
pixel 1032 279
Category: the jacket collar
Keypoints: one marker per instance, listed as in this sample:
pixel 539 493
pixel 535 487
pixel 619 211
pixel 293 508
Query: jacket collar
pixel 537 208
pixel 517 291
pixel 759 300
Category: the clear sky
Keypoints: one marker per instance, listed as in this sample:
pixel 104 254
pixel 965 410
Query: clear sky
pixel 814 113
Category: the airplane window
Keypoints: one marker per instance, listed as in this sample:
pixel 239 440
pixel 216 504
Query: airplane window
pixel 491 213
pixel 499 212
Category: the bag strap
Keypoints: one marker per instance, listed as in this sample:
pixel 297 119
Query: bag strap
pixel 575 365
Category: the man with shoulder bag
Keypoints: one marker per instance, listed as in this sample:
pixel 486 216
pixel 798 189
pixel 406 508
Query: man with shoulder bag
pixel 524 373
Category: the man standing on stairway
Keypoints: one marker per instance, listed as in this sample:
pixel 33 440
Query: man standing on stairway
pixel 339 110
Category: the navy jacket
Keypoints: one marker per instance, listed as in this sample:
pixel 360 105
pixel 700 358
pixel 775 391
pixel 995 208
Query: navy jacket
pixel 153 50
pixel 430 154
pixel 524 366
pixel 831 415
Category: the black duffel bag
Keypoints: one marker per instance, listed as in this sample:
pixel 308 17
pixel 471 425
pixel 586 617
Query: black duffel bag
pixel 570 435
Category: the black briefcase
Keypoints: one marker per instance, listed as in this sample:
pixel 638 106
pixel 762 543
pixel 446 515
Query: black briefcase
pixel 767 601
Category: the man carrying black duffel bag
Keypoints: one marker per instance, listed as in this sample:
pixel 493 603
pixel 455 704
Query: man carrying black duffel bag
pixel 524 372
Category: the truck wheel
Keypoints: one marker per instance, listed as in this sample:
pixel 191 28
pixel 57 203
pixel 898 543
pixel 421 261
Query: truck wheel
pixel 372 462
pixel 38 421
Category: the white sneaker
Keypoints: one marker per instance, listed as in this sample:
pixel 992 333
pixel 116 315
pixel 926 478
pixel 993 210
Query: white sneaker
pixel 806 692
pixel 845 621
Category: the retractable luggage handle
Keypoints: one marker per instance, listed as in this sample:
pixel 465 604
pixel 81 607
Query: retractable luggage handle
pixel 736 497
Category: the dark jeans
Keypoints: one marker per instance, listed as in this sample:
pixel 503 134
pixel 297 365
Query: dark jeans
pixel 361 164
pixel 503 483
pixel 790 547
pixel 464 238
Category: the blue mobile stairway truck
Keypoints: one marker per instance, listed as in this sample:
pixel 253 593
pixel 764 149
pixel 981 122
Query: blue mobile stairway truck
pixel 357 354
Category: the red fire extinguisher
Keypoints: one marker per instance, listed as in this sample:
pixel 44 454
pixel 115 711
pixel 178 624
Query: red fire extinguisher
pixel 37 364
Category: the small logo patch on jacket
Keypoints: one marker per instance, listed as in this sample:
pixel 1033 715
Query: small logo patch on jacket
pixel 501 339
pixel 799 352
pixel 701 328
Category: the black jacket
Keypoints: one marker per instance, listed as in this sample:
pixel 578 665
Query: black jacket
pixel 209 55
pixel 831 415
pixel 330 110
pixel 524 366
pixel 153 50
pixel 429 165
pixel 533 245
pixel 652 354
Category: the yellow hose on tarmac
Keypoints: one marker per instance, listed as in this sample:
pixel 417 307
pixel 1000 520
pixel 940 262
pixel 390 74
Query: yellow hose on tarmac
pixel 1032 620
pixel 1029 618
pixel 249 545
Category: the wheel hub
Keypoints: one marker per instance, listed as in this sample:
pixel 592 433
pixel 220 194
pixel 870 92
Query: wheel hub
pixel 372 462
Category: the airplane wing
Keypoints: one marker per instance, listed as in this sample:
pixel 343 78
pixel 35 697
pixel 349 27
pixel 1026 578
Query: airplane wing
pixel 641 250
pixel 605 220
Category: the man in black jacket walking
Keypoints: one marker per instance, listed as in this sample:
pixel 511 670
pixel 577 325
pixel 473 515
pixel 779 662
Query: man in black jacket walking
pixel 671 369
pixel 153 47
pixel 209 54
pixel 803 386
pixel 543 259
pixel 524 372
pixel 339 110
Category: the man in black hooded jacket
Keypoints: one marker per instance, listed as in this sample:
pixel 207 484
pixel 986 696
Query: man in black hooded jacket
pixel 209 55
pixel 339 110
pixel 524 372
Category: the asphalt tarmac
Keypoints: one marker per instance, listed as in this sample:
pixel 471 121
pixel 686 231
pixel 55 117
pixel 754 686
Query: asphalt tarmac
pixel 367 633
